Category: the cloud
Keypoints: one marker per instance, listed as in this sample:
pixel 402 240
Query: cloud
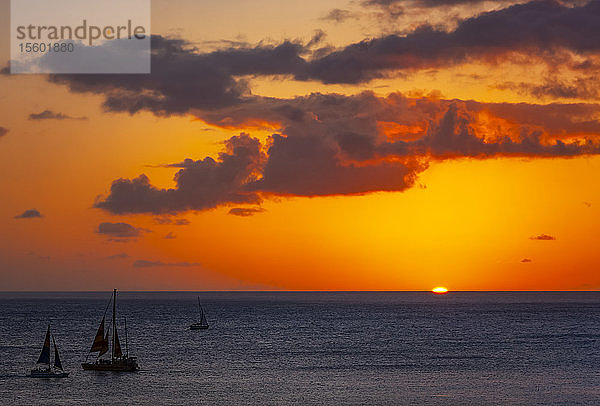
pixel 343 145
pixel 184 79
pixel 543 237
pixel 169 221
pixel 246 211
pixel 51 115
pixel 386 4
pixel 120 231
pixel 142 263
pixel 526 260
pixel 312 166
pixel 3 131
pixel 537 29
pixel 456 135
pixel 170 236
pixel 338 15
pixel 122 255
pixel 585 88
pixel 201 185
pixel 29 214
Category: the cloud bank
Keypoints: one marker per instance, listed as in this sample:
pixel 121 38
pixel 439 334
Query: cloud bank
pixel 332 144
pixel 344 145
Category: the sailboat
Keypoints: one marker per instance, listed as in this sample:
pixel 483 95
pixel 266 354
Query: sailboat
pixel 203 324
pixel 118 362
pixel 43 368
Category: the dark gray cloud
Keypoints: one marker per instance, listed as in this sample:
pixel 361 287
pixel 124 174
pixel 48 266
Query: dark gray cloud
pixel 536 28
pixel 170 221
pixel 121 255
pixel 3 131
pixel 246 211
pixel 201 185
pixel 52 115
pixel 543 237
pixel 389 10
pixel 142 263
pixel 386 4
pixel 339 15
pixel 170 236
pixel 585 88
pixel 120 230
pixel 184 79
pixel 312 166
pixel 29 214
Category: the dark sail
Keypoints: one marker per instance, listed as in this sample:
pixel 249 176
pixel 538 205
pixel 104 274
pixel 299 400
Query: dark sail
pixel 117 350
pixel 45 355
pixel 99 341
pixel 104 348
pixel 203 317
pixel 57 362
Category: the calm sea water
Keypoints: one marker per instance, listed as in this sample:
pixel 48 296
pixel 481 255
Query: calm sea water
pixel 313 348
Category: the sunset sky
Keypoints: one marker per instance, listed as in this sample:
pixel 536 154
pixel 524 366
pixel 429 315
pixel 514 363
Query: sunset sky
pixel 314 145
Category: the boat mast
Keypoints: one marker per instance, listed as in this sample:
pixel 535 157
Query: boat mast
pixel 114 323
pixel 126 344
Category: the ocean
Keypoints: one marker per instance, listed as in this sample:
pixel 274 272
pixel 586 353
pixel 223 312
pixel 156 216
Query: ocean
pixel 312 348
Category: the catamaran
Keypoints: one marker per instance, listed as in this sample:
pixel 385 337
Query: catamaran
pixel 43 368
pixel 203 324
pixel 118 362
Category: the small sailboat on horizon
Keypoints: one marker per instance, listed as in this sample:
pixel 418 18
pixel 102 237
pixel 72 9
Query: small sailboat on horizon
pixel 43 368
pixel 118 362
pixel 203 324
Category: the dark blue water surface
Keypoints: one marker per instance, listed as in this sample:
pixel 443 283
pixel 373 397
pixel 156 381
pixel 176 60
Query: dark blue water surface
pixel 313 348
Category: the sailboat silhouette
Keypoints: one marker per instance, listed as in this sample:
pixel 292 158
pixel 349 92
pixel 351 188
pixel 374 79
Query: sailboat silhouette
pixel 118 361
pixel 203 324
pixel 43 368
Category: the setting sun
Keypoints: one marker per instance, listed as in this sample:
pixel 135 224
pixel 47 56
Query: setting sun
pixel 440 290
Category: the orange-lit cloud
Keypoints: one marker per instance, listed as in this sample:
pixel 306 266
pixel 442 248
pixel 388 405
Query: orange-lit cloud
pixel 543 237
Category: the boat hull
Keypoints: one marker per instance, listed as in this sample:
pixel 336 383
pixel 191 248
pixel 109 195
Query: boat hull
pixel 199 327
pixel 47 374
pixel 124 365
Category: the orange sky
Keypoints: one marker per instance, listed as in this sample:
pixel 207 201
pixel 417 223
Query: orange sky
pixel 466 223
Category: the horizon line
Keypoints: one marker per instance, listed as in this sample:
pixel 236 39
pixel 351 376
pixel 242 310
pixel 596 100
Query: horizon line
pixel 299 291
